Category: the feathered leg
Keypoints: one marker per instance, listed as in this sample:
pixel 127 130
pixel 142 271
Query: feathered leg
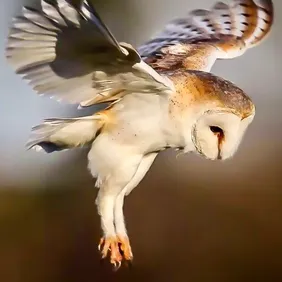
pixel 110 187
pixel 120 227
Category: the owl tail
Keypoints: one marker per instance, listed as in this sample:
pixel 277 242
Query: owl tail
pixel 60 134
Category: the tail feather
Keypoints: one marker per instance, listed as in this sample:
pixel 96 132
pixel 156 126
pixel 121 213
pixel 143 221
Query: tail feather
pixel 65 133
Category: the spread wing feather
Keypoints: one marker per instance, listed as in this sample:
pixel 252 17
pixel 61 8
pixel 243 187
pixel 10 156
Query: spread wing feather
pixel 71 55
pixel 196 41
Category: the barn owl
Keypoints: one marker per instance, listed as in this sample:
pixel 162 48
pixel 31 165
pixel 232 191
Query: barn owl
pixel 158 96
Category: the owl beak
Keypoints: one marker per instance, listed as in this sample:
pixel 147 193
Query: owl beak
pixel 219 157
pixel 220 137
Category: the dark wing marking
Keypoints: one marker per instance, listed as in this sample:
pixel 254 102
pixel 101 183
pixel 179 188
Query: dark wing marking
pixel 196 41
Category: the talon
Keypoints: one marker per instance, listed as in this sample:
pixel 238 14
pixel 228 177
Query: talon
pixel 117 265
pixel 125 248
pixel 119 249
pixel 110 245
pixel 102 240
pixel 128 264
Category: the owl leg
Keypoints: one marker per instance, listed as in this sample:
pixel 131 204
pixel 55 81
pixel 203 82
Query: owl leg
pixel 110 187
pixel 120 227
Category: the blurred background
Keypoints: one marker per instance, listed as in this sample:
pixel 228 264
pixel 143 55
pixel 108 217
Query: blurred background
pixel 189 220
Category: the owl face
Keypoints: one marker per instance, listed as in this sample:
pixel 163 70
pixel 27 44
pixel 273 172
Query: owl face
pixel 218 133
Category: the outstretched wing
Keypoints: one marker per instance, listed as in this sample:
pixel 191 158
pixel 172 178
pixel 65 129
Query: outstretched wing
pixel 196 41
pixel 70 54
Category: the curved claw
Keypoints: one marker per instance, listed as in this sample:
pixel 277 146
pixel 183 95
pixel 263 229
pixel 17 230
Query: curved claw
pixel 119 250
pixel 117 265
pixel 102 240
pixel 110 246
pixel 125 248
pixel 128 263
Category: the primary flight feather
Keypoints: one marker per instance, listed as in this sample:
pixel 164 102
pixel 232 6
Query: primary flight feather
pixel 161 95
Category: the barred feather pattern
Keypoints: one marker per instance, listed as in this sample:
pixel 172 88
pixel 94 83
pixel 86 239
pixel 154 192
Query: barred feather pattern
pixel 231 29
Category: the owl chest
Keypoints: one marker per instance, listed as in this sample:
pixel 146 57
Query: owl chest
pixel 143 121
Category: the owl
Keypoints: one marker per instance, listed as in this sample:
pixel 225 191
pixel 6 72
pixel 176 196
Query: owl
pixel 158 96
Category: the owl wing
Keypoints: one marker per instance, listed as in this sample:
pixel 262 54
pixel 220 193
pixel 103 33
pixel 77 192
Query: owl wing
pixel 71 55
pixel 196 41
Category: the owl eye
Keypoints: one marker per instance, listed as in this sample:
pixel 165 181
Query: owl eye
pixel 217 130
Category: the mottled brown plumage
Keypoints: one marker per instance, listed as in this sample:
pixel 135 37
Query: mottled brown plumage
pixel 206 88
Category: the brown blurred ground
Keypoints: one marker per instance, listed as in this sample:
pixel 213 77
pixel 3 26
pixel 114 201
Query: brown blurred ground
pixel 180 230
pixel 189 220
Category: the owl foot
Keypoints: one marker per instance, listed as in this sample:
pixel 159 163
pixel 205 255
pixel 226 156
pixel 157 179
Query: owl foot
pixel 111 245
pixel 125 248
pixel 118 248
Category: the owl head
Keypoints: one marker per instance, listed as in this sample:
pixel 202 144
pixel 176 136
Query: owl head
pixel 215 114
pixel 226 114
pixel 218 133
